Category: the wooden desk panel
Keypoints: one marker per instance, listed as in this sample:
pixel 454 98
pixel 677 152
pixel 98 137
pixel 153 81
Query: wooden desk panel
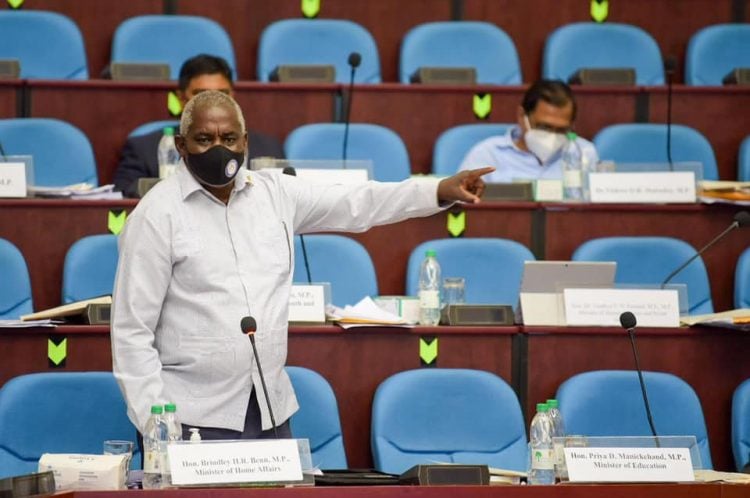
pixel 9 99
pixel 713 361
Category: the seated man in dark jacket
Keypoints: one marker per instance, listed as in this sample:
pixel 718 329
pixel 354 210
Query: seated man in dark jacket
pixel 203 72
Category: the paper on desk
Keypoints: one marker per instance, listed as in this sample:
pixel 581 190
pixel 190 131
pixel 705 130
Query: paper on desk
pixel 705 475
pixel 76 191
pixel 21 324
pixel 364 314
pixel 737 319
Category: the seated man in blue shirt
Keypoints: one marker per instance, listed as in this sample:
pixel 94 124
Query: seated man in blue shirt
pixel 533 149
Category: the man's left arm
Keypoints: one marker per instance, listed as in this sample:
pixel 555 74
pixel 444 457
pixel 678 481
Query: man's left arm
pixel 359 207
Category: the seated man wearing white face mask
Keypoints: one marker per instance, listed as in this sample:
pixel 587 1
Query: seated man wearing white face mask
pixel 533 149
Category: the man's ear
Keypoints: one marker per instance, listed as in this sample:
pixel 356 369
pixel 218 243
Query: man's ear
pixel 520 113
pixel 179 142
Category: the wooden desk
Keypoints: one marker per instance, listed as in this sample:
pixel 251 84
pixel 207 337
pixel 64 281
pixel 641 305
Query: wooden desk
pixel 10 99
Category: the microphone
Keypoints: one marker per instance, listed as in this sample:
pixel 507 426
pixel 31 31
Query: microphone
pixel 628 322
pixel 289 170
pixel 248 327
pixel 740 220
pixel 354 61
pixel 670 64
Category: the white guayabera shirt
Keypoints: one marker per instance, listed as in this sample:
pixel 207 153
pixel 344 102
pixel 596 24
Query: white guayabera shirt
pixel 191 267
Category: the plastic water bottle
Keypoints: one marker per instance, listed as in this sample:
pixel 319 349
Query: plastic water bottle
pixel 572 165
pixel 174 433
pixel 558 431
pixel 167 154
pixel 429 290
pixel 153 436
pixel 541 450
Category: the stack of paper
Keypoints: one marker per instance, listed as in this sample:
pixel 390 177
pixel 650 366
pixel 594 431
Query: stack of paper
pixel 738 319
pixel 65 310
pixel 725 192
pixel 77 191
pixel 364 314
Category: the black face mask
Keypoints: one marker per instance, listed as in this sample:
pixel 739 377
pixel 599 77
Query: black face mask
pixel 215 167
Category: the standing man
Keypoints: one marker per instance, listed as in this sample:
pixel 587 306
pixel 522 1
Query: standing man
pixel 203 72
pixel 532 149
pixel 214 243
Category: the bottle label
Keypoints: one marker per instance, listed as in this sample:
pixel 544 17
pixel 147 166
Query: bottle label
pixel 572 178
pixel 429 299
pixel 150 461
pixel 542 458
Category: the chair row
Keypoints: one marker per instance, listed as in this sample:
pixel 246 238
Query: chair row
pixel 712 52
pixel 63 155
pixel 492 268
pixel 418 416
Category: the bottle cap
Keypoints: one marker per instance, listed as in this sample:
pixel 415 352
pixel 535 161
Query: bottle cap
pixel 195 435
pixel 541 407
pixel 170 408
pixel 156 409
pixel 430 253
pixel 571 135
pixel 552 403
pixel 169 131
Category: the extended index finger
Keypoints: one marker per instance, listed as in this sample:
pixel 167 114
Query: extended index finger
pixel 476 173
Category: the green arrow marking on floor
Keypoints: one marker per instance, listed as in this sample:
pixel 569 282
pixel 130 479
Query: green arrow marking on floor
pixel 428 351
pixel 482 105
pixel 456 223
pixel 116 221
pixel 310 8
pixel 174 106
pixel 57 352
pixel 14 4
pixel 599 10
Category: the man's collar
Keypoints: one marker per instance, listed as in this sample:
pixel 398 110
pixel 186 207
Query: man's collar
pixel 188 183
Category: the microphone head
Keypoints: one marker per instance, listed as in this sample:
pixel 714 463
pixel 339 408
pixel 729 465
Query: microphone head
pixel 248 325
pixel 355 59
pixel 627 320
pixel 289 170
pixel 742 219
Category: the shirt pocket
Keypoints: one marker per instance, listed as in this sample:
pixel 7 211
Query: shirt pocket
pixel 187 243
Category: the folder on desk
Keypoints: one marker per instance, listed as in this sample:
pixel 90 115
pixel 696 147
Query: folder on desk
pixel 86 309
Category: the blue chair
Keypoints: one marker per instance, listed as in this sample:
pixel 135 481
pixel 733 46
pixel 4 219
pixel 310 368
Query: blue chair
pixel 741 425
pixel 89 268
pixel 152 126
pixel 62 153
pixel 47 45
pixel 492 267
pixel 170 39
pixel 743 168
pixel 454 143
pixel 366 141
pixel 447 415
pixel 15 292
pixel 714 51
pixel 742 281
pixel 610 45
pixel 480 45
pixel 342 261
pixel 647 143
pixel 649 260
pixel 609 403
pixel 318 41
pixel 317 418
pixel 60 412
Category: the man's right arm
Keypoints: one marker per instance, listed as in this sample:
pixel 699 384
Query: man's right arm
pixel 478 156
pixel 134 164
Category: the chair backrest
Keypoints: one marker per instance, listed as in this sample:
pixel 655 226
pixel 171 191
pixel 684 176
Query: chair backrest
pixel 480 45
pixel 318 41
pixel 609 45
pixel 454 143
pixel 649 260
pixel 89 268
pixel 742 281
pixel 714 51
pixel 60 412
pixel 152 126
pixel 171 39
pixel 743 166
pixel 382 145
pixel 609 403
pixel 62 153
pixel 342 261
pixel 492 267
pixel 647 143
pixel 15 291
pixel 317 418
pixel 48 45
pixel 447 415
pixel 741 425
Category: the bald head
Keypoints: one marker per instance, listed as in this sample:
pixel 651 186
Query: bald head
pixel 207 100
